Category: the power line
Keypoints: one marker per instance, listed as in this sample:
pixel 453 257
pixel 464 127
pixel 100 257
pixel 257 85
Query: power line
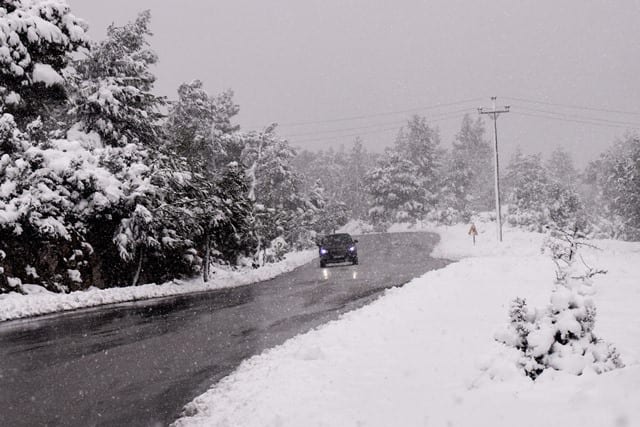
pixel 579 107
pixel 595 119
pixel 396 128
pixel 570 120
pixel 398 123
pixel 387 113
pixel 330 138
pixel 380 127
pixel 395 123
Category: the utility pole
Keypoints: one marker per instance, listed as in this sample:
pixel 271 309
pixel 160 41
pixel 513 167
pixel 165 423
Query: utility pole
pixel 494 113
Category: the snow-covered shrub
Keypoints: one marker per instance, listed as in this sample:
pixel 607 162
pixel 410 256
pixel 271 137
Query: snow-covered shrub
pixel 276 250
pixel 607 227
pixel 560 336
pixel 535 221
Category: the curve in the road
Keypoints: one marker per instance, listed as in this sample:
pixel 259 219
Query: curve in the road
pixel 140 363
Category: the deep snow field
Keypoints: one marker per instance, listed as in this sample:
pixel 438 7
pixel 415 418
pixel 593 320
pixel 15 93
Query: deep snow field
pixel 424 354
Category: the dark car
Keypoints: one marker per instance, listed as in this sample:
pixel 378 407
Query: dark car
pixel 338 248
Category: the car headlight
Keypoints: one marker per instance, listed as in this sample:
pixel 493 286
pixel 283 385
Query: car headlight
pixel 352 249
pixel 323 251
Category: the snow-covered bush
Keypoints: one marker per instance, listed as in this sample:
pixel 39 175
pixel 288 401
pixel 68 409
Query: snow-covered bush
pixel 529 220
pixel 276 250
pixel 606 227
pixel 560 336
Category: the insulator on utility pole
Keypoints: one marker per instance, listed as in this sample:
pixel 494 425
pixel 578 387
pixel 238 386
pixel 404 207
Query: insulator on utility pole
pixel 494 113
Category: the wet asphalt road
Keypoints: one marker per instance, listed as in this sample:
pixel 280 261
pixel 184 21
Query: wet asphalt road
pixel 138 364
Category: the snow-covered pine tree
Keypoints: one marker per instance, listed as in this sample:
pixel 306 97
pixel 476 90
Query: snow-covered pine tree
pixel 190 121
pixel 113 90
pixel 199 129
pixel 234 236
pixel 137 235
pixel 338 186
pixel 564 203
pixel 330 215
pixel 278 187
pixel 319 174
pixel 341 175
pixel 61 204
pixel 37 40
pixel 224 109
pixel 468 172
pixel 360 161
pixel 200 125
pixel 560 168
pixel 537 197
pixel 282 208
pixel 526 181
pixel 64 199
pixel 419 144
pixel 564 206
pixel 616 176
pixel 396 192
pixel 525 190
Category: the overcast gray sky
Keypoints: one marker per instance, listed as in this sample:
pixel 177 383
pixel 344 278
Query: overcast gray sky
pixel 294 61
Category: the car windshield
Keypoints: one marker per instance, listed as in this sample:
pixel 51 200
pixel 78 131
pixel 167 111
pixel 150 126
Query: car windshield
pixel 337 239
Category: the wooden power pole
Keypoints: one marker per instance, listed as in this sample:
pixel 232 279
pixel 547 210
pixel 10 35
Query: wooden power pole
pixel 494 113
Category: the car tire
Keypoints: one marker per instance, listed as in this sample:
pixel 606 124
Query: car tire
pixel 323 264
pixel 355 261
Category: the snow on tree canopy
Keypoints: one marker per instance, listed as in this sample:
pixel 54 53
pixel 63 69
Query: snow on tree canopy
pixel 32 35
pixel 45 73
pixel 113 89
pixel 50 187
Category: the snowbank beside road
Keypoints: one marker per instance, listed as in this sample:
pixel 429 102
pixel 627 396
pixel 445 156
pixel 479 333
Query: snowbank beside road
pixel 40 301
pixel 455 242
pixel 418 355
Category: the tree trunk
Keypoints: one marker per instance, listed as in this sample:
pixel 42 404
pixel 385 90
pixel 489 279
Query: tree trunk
pixel 207 255
pixel 139 269
pixel 253 181
pixel 258 252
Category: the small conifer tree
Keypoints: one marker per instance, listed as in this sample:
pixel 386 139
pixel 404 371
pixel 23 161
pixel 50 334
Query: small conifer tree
pixel 561 335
